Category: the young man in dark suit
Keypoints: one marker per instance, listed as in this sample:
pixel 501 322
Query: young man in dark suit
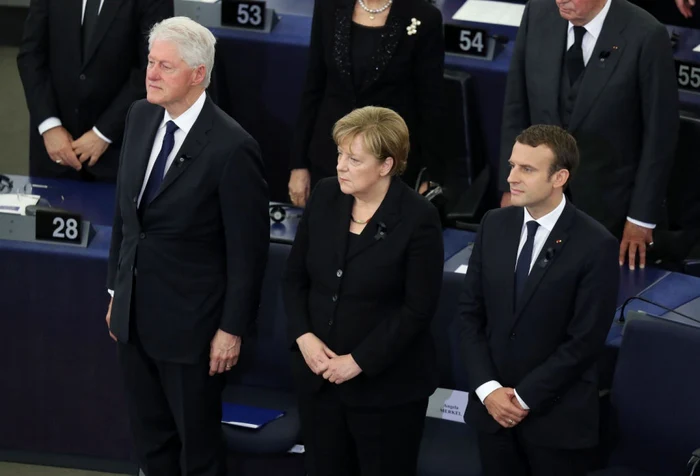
pixel 189 248
pixel 538 300
pixel 82 64
pixel 603 70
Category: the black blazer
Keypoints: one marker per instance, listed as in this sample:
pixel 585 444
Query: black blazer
pixel 374 300
pixel 195 263
pixel 407 77
pixel 625 119
pixel 84 92
pixel 547 348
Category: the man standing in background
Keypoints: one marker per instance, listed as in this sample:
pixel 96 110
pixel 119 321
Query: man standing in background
pixel 603 70
pixel 82 64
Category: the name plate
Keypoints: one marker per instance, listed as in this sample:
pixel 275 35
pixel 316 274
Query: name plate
pixel 248 14
pixel 58 225
pixel 468 41
pixel 688 76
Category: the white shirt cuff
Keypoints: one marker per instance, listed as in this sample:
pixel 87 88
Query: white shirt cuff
pixel 641 223
pixel 111 292
pixel 520 401
pixel 48 124
pixel 100 135
pixel 487 389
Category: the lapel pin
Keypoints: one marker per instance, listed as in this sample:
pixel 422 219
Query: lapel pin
pixel 615 47
pixel 558 242
pixel 412 29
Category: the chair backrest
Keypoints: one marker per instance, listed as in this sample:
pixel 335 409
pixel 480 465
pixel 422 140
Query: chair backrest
pixel 464 159
pixel 452 372
pixel 656 396
pixel 683 196
pixel 265 358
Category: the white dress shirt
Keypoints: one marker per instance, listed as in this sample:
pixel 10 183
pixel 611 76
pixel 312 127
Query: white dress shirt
pixel 593 29
pixel 547 223
pixel 184 124
pixel 52 122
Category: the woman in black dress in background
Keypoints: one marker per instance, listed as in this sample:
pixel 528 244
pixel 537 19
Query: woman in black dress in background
pixel 370 52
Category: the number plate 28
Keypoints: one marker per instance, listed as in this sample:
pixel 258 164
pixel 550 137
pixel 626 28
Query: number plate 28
pixel 248 14
pixel 58 225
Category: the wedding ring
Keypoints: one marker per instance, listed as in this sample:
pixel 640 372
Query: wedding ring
pixel 59 161
pixel 511 422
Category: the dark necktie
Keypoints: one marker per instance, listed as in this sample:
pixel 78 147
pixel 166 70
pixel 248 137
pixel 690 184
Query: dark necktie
pixel 158 171
pixel 522 269
pixel 92 10
pixel 574 57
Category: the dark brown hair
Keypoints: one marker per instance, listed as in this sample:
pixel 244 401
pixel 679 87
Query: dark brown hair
pixel 561 143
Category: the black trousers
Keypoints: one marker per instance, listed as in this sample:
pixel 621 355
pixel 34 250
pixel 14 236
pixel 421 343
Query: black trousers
pixel 505 453
pixel 175 414
pixel 349 441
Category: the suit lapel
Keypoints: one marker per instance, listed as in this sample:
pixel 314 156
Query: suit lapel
pixel 552 57
pixel 510 244
pixel 195 142
pixel 599 69
pixel 145 148
pixel 340 220
pixel 551 250
pixel 104 20
pixel 382 222
pixel 75 18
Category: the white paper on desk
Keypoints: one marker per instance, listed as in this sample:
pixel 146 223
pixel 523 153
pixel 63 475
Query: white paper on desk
pixel 462 269
pixel 16 203
pixel 486 11
pixel 697 49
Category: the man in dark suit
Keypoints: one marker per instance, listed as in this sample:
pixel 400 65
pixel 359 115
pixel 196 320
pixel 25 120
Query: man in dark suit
pixel 538 300
pixel 603 70
pixel 82 64
pixel 189 248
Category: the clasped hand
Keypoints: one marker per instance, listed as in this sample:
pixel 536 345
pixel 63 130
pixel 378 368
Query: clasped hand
pixel 503 406
pixel 323 361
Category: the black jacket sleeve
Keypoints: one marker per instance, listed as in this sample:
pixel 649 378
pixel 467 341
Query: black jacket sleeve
pixel 244 202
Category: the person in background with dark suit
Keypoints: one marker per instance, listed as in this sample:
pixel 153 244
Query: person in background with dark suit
pixel 371 53
pixel 82 64
pixel 538 300
pixel 361 288
pixel 604 71
pixel 188 252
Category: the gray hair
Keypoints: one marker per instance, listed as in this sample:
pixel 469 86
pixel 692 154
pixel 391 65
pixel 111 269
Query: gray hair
pixel 194 42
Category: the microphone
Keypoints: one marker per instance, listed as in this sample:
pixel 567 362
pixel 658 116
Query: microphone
pixel 381 231
pixel 548 256
pixel 648 301
pixel 603 55
pixel 182 159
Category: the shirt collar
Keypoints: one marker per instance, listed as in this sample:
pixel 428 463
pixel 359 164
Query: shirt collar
pixel 550 219
pixel 186 120
pixel 595 26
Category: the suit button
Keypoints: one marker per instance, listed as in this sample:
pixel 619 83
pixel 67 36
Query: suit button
pixel 339 273
pixel 512 336
pixel 82 77
pixel 136 272
pixel 335 297
pixel 330 322
pixel 142 236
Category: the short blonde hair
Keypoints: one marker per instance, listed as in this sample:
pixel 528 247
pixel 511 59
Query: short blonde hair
pixel 195 43
pixel 383 131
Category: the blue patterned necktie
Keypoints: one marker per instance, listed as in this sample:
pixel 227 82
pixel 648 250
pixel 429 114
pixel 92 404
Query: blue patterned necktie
pixel 158 171
pixel 522 269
